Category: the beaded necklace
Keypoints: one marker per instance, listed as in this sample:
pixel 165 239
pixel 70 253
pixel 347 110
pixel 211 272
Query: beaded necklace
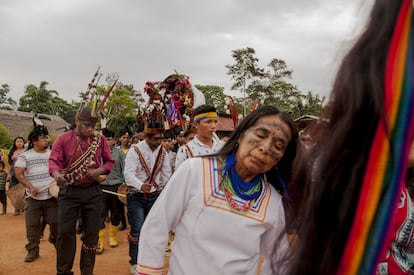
pixel 233 185
pixel 76 170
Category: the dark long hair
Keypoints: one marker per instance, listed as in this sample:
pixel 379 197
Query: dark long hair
pixel 327 180
pixel 284 166
pixel 13 148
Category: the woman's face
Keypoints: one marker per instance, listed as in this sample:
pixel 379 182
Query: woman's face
pixel 262 146
pixel 19 143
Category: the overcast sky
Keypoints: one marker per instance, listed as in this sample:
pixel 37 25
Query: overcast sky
pixel 63 41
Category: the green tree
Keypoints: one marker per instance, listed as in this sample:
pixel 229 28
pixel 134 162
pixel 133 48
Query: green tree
pixel 214 96
pixel 64 109
pixel 312 104
pixel 279 70
pixel 244 71
pixel 287 97
pixel 6 102
pixel 38 99
pixel 45 101
pixel 5 141
pixel 120 109
pixel 272 87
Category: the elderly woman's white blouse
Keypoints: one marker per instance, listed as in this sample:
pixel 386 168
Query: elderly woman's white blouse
pixel 210 237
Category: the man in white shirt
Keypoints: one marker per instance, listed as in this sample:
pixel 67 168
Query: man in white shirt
pixel 167 143
pixel 147 170
pixel 206 142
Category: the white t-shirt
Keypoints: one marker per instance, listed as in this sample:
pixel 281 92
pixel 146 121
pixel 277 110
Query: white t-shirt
pixel 37 171
pixel 197 148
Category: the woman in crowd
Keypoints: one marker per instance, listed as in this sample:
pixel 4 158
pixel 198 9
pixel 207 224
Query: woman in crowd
pixel 14 152
pixel 225 213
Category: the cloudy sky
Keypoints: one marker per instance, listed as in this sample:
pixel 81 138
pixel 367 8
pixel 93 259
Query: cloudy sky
pixel 63 42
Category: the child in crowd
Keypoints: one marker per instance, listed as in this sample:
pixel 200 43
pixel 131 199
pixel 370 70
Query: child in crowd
pixel 4 178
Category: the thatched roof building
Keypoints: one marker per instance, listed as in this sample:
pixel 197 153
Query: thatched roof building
pixel 21 123
pixel 304 121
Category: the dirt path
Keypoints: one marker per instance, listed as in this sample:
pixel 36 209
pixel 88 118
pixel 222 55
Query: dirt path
pixel 112 261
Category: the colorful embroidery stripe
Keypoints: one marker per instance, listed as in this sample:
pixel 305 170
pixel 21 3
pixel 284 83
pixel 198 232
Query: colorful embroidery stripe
pixel 214 197
pixel 387 162
pixel 205 115
pixel 149 270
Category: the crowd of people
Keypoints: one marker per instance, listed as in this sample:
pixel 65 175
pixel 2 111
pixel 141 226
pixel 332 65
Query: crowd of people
pixel 337 199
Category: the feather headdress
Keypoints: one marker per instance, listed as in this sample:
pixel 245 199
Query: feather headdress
pixel 92 105
pixel 87 109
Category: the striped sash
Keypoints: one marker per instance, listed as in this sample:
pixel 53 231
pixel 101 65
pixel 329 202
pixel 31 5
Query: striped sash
pixel 157 165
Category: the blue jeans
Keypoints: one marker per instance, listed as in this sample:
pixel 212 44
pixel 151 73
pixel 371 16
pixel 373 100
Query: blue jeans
pixel 139 206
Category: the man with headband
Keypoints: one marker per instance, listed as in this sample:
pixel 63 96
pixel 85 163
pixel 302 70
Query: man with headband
pixel 206 141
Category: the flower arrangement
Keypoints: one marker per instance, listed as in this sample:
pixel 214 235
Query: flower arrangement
pixel 151 87
pixel 155 111
pixel 173 97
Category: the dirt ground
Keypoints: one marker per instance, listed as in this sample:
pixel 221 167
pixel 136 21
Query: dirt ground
pixel 112 261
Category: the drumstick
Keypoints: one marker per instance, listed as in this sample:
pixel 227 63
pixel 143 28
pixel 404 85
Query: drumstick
pixel 113 193
pixel 47 187
pixel 44 188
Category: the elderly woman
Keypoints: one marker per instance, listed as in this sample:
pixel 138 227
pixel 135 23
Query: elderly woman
pixel 225 213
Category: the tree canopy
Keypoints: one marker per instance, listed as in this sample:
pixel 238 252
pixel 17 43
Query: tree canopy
pixel 5 141
pixel 45 101
pixel 121 109
pixel 214 96
pixel 6 102
pixel 271 86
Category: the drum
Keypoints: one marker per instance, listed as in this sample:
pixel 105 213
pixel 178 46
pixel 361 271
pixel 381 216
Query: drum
pixel 53 189
pixel 16 195
pixel 122 189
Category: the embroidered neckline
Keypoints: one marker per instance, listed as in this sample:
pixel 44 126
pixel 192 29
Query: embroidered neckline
pixel 233 185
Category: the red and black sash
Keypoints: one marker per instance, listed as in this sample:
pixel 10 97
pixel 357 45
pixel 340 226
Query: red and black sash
pixel 155 169
pixel 189 152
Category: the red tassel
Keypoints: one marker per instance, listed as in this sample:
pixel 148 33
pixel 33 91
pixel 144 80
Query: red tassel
pixel 233 112
pixel 108 93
